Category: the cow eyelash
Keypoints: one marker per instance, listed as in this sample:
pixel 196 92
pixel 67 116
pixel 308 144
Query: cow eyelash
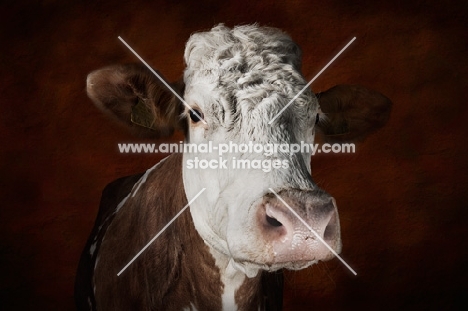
pixel 195 115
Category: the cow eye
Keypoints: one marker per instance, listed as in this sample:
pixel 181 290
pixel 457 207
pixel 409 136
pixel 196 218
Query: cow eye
pixel 196 115
pixel 317 118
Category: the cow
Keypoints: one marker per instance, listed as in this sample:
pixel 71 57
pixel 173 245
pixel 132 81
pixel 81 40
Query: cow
pixel 227 251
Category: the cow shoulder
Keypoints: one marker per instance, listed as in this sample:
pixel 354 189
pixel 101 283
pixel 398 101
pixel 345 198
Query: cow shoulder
pixel 112 194
pixel 176 270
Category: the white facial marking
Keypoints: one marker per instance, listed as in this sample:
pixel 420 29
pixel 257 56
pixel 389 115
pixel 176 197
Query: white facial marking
pixel 239 79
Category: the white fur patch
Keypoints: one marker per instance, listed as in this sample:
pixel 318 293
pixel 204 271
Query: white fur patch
pixel 190 308
pixel 231 277
pixel 92 249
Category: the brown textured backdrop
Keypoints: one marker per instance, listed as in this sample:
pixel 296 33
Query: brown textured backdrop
pixel 402 196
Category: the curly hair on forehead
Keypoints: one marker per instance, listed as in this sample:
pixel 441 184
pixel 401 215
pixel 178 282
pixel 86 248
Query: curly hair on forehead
pixel 243 47
pixel 248 65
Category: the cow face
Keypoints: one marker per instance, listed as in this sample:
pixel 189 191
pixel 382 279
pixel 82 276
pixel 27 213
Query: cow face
pixel 237 81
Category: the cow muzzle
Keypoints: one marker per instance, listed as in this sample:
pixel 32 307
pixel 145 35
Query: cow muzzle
pixel 299 227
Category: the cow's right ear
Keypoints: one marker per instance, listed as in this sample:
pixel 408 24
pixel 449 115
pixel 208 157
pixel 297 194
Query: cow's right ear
pixel 133 95
pixel 351 112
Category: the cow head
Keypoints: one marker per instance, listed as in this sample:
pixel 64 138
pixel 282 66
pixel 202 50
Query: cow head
pixel 236 81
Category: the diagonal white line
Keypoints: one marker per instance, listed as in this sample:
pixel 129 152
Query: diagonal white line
pixel 313 79
pixel 314 232
pixel 161 231
pixel 161 79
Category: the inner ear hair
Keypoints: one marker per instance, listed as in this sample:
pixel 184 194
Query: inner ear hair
pixel 351 112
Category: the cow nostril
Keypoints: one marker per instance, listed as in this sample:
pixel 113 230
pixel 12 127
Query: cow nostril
pixel 273 221
pixel 329 232
pixel 331 228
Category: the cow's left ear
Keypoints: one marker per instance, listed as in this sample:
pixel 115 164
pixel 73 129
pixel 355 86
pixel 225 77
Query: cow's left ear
pixel 351 112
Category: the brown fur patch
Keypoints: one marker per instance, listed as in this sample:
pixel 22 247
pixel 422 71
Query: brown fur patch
pixel 175 271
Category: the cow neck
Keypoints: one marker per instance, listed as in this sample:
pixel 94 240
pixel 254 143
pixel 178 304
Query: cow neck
pixel 199 278
pixel 238 292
